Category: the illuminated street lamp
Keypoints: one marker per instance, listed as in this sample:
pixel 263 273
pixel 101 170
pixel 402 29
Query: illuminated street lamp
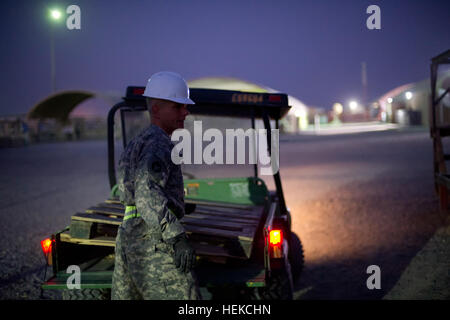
pixel 353 105
pixel 55 16
pixel 389 100
pixel 408 95
pixel 338 108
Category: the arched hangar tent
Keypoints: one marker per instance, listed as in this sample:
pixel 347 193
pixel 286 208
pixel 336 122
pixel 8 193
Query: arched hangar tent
pixel 296 119
pixel 69 113
pixel 62 105
pixel 59 106
pixel 59 110
pixel 401 108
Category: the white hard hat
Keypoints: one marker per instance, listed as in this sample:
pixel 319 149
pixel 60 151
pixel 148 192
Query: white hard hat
pixel 168 85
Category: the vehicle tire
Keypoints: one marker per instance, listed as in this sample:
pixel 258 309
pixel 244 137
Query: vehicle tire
pixel 278 287
pixel 296 257
pixel 87 294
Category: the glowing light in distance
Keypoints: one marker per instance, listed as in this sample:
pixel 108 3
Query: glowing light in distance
pixel 338 108
pixel 55 14
pixel 408 95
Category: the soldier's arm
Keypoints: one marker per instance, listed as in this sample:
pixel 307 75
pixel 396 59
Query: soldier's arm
pixel 151 202
pixel 124 181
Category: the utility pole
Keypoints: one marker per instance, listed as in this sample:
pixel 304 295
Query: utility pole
pixel 364 83
pixel 52 59
pixel 55 16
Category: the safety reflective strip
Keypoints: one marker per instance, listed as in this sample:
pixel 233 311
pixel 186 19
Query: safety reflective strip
pixel 134 215
pixel 128 209
pixel 130 212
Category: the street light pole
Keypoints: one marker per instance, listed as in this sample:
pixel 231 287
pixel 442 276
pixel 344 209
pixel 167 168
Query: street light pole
pixel 52 59
pixel 55 15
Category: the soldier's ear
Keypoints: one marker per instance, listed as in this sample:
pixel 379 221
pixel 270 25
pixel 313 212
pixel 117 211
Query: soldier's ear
pixel 155 110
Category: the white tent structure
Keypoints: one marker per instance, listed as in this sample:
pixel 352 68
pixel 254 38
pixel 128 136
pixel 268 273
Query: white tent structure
pixel 414 98
pixel 297 117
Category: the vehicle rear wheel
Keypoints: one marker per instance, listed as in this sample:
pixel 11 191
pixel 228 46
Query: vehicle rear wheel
pixel 296 257
pixel 278 287
pixel 87 294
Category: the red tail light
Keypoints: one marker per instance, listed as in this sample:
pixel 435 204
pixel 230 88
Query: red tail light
pixel 46 246
pixel 275 237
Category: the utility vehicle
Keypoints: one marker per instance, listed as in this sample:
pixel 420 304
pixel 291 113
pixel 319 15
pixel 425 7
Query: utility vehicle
pixel 240 229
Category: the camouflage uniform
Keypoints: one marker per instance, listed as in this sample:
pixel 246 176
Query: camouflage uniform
pixel 150 181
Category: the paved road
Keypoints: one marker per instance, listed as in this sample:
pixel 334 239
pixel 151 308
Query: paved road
pixel 357 200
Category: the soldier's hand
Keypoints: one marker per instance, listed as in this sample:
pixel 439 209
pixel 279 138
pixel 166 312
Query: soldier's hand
pixel 184 255
pixel 189 208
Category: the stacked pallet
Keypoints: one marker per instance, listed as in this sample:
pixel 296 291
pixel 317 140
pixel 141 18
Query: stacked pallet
pixel 215 230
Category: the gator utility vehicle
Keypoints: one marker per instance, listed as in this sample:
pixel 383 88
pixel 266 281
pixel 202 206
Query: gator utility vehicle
pixel 240 230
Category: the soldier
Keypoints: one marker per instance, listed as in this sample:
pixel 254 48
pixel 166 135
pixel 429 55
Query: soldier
pixel 153 258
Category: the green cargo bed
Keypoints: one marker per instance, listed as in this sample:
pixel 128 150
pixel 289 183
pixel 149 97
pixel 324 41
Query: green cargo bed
pixel 214 229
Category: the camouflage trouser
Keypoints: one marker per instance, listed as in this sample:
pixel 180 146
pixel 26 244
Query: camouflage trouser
pixel 145 269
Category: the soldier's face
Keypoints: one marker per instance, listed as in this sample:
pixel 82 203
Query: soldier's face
pixel 172 116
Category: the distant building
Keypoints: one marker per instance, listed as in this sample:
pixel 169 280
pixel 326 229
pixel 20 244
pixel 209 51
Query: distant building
pixel 14 131
pixel 78 114
pixel 294 121
pixel 71 115
pixel 410 104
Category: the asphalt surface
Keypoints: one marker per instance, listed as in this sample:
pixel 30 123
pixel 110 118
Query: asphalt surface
pixel 357 200
pixel 361 200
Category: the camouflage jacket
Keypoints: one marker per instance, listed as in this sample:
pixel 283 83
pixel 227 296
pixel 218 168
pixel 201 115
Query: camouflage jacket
pixel 148 179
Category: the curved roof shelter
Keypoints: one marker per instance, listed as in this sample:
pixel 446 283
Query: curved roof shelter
pixel 59 105
pixel 226 83
pixel 443 82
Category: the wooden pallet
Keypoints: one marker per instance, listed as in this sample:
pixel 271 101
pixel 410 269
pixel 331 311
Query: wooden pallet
pixel 215 230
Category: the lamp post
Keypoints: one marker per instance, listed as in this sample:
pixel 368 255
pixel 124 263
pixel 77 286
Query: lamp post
pixel 55 16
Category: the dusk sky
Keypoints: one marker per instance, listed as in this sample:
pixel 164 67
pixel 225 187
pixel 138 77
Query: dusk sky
pixel 309 49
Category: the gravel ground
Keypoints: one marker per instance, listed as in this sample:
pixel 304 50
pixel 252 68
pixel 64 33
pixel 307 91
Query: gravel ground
pixel 428 274
pixel 41 187
pixel 356 200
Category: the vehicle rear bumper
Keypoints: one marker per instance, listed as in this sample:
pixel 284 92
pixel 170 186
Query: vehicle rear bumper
pixel 89 280
pixel 215 276
pixel 207 276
